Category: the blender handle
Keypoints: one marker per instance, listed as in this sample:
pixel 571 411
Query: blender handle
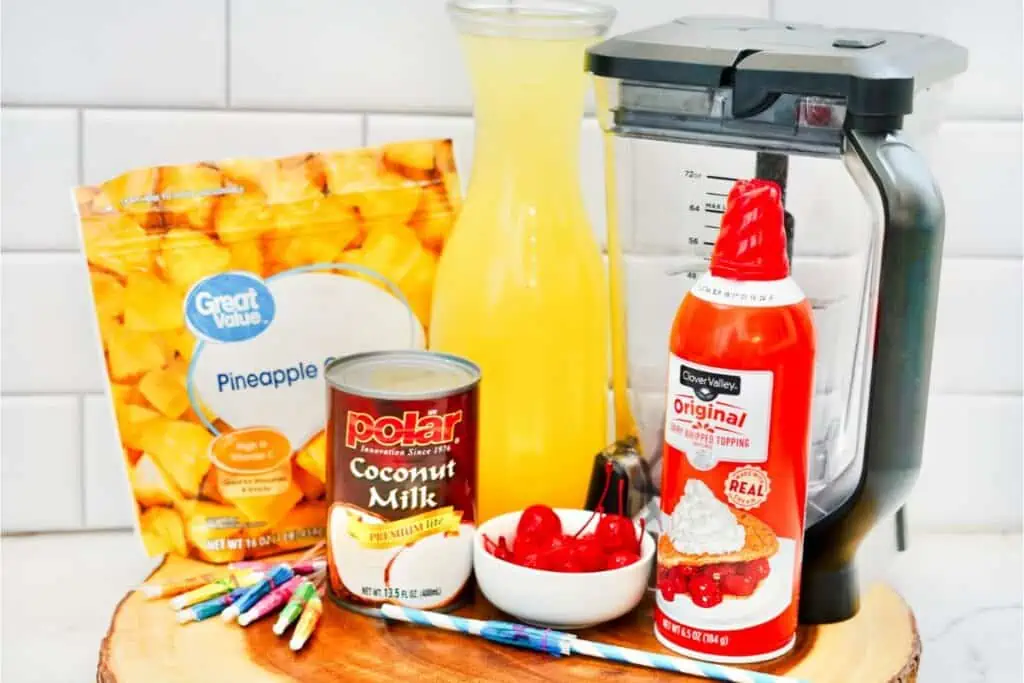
pixel 908 289
pixel 905 308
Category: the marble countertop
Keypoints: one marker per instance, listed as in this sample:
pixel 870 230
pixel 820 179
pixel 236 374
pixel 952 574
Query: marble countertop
pixel 59 590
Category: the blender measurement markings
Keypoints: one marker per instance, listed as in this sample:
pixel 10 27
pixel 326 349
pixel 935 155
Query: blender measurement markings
pixel 711 203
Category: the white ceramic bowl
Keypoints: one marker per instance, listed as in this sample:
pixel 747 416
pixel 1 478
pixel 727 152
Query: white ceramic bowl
pixel 554 599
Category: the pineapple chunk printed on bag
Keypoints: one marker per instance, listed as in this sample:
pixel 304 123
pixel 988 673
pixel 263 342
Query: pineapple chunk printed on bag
pixel 221 289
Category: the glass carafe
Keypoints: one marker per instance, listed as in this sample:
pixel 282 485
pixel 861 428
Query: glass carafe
pixel 521 287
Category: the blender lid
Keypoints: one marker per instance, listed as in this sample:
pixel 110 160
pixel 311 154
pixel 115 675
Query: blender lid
pixel 876 72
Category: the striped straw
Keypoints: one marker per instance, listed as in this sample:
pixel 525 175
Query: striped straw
pixel 543 640
pixel 691 667
pixel 448 622
pixel 568 643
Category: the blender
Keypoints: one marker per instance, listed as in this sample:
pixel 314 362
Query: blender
pixel 836 117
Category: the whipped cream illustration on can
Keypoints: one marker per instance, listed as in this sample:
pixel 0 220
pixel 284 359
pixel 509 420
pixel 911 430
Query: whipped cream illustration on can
pixel 703 524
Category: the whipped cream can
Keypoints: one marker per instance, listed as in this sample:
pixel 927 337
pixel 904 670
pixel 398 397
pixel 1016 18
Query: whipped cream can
pixel 737 426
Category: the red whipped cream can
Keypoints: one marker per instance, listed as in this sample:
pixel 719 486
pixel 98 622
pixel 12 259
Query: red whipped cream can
pixel 401 479
pixel 737 429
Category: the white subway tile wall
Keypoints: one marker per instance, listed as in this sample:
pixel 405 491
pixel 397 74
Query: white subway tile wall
pixel 48 344
pixel 39 148
pixel 118 84
pixel 385 55
pixel 115 53
pixel 108 499
pixel 41 471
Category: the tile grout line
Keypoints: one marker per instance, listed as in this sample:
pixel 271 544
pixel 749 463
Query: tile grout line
pixel 81 462
pixel 314 110
pixel 53 394
pixel 80 125
pixel 54 531
pixel 18 252
pixel 227 54
pixel 244 109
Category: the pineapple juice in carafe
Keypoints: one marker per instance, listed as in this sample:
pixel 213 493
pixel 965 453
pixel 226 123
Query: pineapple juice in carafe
pixel 521 287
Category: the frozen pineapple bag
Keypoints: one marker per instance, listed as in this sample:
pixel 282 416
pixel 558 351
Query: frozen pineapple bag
pixel 221 290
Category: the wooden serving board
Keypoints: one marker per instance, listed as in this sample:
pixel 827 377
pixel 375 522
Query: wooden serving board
pixel 145 644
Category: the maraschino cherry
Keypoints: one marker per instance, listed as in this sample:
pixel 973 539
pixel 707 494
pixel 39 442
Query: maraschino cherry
pixel 540 544
pixel 538 522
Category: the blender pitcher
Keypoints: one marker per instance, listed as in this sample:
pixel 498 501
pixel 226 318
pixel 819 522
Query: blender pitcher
pixel 689 107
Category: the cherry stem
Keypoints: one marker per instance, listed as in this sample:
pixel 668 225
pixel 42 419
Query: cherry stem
pixel 599 510
pixel 489 545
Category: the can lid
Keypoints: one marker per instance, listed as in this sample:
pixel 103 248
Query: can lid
pixel 402 374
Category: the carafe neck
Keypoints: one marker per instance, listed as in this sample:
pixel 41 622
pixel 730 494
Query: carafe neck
pixel 528 109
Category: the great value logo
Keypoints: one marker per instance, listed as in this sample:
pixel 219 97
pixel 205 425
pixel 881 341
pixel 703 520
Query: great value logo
pixel 229 307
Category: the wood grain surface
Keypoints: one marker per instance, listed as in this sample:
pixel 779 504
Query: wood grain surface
pixel 145 645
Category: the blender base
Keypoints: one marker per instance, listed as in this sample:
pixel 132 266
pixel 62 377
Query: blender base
pixel 829 596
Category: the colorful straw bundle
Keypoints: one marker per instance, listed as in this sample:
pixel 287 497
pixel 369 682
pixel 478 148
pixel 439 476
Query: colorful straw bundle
pixel 251 591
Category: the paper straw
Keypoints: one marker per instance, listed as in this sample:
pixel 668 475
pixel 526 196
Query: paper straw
pixel 528 637
pixel 270 602
pixel 309 566
pixel 291 611
pixel 314 551
pixel 307 557
pixel 223 585
pixel 692 667
pixel 299 566
pixel 176 587
pixel 311 613
pixel 210 608
pixel 258 565
pixel 544 640
pixel 277 576
pixel 311 555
